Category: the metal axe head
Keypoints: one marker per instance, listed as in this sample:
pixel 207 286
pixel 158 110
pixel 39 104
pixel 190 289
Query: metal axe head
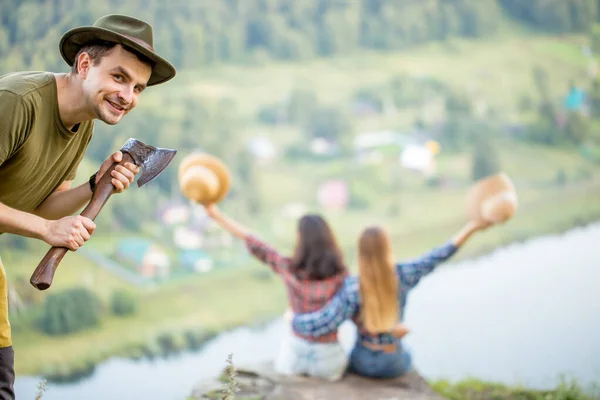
pixel 152 160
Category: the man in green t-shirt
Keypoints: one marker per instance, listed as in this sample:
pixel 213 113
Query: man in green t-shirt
pixel 46 124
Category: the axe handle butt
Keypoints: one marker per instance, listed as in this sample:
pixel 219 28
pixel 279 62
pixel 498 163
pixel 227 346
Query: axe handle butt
pixel 43 275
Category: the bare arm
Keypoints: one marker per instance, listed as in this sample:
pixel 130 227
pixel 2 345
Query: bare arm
pixel 467 230
pixel 257 248
pixel 22 223
pixel 52 222
pixel 64 201
pixel 70 232
pixel 227 223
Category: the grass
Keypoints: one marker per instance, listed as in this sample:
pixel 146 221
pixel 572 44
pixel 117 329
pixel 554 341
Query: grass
pixel 210 303
pixel 41 389
pixel 472 389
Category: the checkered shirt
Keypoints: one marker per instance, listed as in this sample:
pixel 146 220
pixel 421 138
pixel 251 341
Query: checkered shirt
pixel 346 303
pixel 304 295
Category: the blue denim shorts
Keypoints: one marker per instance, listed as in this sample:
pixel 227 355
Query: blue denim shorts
pixel 379 364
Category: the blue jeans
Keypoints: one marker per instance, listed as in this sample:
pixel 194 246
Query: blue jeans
pixel 377 364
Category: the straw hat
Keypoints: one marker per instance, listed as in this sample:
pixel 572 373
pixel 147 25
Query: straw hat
pixel 203 178
pixel 493 199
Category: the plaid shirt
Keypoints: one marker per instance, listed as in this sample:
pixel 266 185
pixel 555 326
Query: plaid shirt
pixel 304 295
pixel 346 303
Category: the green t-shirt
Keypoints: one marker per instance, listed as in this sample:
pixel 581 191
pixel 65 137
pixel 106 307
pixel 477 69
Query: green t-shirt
pixel 37 152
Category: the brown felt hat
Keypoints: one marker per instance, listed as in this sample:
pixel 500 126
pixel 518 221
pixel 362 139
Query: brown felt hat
pixel 492 199
pixel 203 178
pixel 127 31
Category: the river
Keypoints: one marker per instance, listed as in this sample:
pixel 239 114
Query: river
pixel 527 313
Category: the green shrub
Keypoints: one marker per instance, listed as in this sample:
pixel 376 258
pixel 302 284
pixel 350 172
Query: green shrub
pixel 561 177
pixel 70 311
pixel 123 302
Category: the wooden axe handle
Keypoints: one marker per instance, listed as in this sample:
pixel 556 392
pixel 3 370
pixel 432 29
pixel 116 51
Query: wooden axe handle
pixel 43 275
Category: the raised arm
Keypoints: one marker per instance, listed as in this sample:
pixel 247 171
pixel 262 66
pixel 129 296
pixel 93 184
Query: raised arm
pixel 260 250
pixel 328 319
pixel 227 223
pixel 411 272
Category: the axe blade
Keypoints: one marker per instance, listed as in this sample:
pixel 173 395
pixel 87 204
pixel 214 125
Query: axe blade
pixel 152 160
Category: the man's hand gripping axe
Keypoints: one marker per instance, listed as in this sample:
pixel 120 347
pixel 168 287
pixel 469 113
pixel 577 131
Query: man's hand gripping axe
pixel 150 159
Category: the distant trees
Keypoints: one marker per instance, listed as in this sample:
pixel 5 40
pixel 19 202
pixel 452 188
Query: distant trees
pixel 123 302
pixel 556 124
pixel 555 15
pixel 191 34
pixel 200 33
pixel 486 159
pixel 70 311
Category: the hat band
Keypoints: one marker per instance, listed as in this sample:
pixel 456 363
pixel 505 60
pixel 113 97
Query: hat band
pixel 139 41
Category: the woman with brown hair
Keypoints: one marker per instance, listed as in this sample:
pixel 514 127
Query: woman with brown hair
pixel 312 276
pixel 375 301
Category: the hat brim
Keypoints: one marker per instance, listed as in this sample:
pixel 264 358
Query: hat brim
pixel 492 186
pixel 215 165
pixel 74 39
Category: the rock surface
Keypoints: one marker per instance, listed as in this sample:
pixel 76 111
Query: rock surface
pixel 261 383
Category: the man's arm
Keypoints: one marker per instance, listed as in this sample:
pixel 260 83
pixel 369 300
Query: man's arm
pixel 51 220
pixel 65 201
pixel 69 232
pixel 22 223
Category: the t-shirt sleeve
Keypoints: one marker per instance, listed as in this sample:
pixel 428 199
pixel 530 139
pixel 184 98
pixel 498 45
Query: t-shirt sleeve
pixel 14 122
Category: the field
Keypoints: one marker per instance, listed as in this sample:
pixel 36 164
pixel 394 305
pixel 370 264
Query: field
pixel 557 189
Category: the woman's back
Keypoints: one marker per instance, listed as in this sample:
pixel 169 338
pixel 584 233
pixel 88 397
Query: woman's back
pixel 304 294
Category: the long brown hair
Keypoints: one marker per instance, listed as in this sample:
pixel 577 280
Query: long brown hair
pixel 378 281
pixel 317 254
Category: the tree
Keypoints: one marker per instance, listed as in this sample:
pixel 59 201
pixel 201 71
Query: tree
pixel 207 32
pixel 248 183
pixel 547 109
pixel 595 39
pixel 486 160
pixel 301 106
pixel 554 15
pixel 577 128
pixel 123 303
pixel 594 98
pixel 70 311
pixel 329 123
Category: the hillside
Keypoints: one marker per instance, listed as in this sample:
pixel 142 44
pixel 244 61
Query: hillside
pixel 493 75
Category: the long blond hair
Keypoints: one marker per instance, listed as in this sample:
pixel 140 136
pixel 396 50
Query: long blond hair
pixel 378 281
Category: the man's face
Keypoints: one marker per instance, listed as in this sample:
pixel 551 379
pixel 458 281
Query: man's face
pixel 113 86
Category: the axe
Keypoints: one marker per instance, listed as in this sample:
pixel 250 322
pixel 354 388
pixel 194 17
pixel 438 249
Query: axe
pixel 151 159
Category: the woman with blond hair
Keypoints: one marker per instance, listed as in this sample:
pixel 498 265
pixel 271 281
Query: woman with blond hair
pixel 375 301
